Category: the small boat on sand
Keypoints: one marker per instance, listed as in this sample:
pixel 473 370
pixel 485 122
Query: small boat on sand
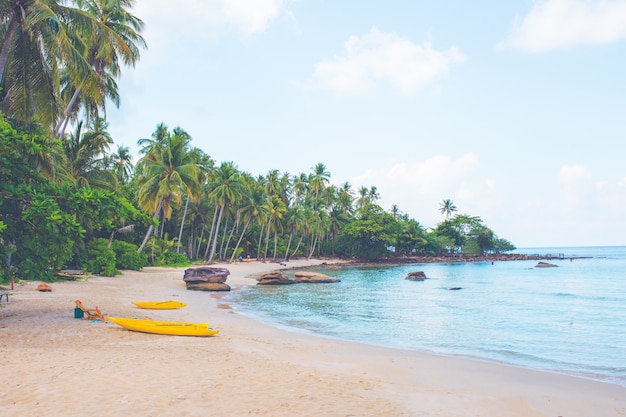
pixel 159 305
pixel 176 328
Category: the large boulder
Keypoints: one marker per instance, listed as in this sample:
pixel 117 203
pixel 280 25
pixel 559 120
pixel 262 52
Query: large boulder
pixel 207 279
pixel 313 277
pixel 208 286
pixel 416 276
pixel 274 278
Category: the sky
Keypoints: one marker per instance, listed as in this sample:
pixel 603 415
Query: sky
pixel 515 110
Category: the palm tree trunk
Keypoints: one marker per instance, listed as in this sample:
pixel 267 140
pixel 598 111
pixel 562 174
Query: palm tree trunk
pixel 58 134
pixel 297 246
pixel 147 236
pixel 308 258
pixel 6 46
pixel 258 248
pixel 267 238
pixel 208 242
pixel 221 255
pixel 240 239
pixel 200 241
pixel 230 236
pixel 288 245
pixel 275 245
pixel 182 223
pixel 219 220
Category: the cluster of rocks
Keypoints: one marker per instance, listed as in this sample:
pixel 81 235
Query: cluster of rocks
pixel 278 278
pixel 207 279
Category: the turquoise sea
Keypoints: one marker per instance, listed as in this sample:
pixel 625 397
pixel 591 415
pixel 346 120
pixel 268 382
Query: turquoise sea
pixel 570 319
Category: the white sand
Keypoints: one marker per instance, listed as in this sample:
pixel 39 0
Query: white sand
pixel 52 364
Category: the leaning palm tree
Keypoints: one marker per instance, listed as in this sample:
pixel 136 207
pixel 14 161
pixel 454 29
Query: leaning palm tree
pixel 113 40
pixel 447 207
pixel 36 40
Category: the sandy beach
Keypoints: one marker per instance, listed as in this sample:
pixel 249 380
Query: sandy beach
pixel 55 365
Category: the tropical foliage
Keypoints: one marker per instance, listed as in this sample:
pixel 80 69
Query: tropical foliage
pixel 68 200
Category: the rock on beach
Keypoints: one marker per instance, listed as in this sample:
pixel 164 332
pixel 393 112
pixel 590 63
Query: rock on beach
pixel 206 279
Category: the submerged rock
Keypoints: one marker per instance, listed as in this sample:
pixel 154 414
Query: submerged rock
pixel 545 265
pixel 416 276
pixel 314 278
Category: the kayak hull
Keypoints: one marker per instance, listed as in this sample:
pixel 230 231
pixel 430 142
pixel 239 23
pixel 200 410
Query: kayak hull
pixel 160 305
pixel 175 328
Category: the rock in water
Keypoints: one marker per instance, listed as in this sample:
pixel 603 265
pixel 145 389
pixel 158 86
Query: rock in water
pixel 545 265
pixel 313 277
pixel 416 276
pixel 274 278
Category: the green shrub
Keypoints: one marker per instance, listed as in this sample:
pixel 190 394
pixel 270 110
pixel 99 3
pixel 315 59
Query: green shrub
pixel 100 259
pixel 126 256
pixel 174 258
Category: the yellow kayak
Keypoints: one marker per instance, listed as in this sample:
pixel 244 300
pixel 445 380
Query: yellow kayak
pixel 159 305
pixel 177 328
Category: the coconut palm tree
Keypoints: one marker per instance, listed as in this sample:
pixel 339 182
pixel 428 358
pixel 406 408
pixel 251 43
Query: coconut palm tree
pixel 36 40
pixel 115 38
pixel 447 207
pixel 254 206
pixel 226 187
pixel 319 179
pixel 167 171
pixel 86 152
pixel 122 164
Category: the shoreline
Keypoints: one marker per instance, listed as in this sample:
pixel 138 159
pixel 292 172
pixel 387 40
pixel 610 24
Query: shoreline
pixel 59 365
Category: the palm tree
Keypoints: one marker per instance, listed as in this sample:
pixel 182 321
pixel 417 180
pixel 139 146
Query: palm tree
pixel 254 206
pixel 36 40
pixel 204 163
pixel 447 207
pixel 166 172
pixel 85 152
pixel 122 164
pixel 115 38
pixel 319 179
pixel 226 187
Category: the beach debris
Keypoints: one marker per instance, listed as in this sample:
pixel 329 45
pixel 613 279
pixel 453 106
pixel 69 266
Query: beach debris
pixel 43 287
pixel 313 277
pixel 545 265
pixel 274 278
pixel 206 279
pixel 416 276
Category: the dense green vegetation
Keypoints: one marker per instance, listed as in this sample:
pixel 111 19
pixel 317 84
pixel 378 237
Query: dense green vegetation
pixel 67 201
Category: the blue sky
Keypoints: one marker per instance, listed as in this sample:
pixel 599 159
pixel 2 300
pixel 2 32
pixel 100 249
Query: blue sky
pixel 515 110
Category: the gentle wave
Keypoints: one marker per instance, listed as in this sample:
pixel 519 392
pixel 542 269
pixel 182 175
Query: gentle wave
pixel 569 319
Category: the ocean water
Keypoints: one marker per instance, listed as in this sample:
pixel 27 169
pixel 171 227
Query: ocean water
pixel 570 319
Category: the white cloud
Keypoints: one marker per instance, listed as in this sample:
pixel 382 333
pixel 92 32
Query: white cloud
pixel 204 18
pixel 377 56
pixel 251 16
pixel 418 188
pixel 554 24
pixel 573 173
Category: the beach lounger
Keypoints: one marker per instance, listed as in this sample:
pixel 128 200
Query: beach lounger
pixel 91 314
